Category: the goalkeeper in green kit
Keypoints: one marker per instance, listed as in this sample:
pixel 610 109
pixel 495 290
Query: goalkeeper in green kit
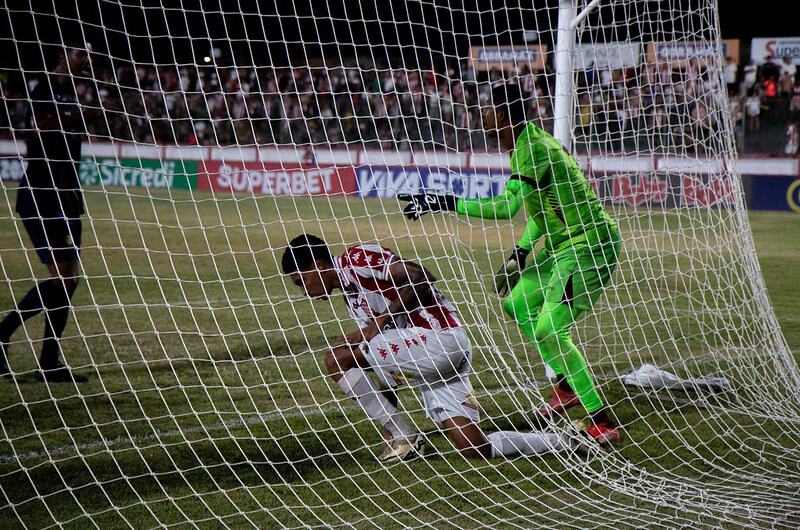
pixel 581 246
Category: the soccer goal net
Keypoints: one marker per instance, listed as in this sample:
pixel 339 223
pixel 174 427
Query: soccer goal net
pixel 212 133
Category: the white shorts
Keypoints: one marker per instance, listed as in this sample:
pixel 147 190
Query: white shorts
pixel 437 362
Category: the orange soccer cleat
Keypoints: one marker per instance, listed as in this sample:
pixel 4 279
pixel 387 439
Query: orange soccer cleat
pixel 562 400
pixel 604 433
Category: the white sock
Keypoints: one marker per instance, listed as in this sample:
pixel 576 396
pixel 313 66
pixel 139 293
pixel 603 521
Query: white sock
pixel 360 387
pixel 512 443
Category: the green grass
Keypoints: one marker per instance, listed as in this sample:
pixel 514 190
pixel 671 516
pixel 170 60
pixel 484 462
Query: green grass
pixel 208 400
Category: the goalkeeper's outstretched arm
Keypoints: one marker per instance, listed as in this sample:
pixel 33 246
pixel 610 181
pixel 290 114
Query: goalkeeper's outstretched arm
pixel 502 206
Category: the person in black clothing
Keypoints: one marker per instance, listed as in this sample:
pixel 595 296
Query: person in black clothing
pixel 50 204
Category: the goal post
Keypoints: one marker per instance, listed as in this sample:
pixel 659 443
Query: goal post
pixel 211 134
pixel 564 70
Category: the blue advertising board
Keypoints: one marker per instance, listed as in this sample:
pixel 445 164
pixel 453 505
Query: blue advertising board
pixel 775 193
pixel 379 181
pixel 631 190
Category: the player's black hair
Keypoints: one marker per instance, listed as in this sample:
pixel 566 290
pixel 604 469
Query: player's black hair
pixel 508 98
pixel 303 251
pixel 58 49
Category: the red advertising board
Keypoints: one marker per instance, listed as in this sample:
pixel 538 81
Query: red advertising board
pixel 270 178
pixel 635 190
pixel 703 194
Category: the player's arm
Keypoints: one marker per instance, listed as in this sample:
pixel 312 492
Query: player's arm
pixel 52 116
pixel 48 115
pixel 509 272
pixel 412 283
pixel 502 206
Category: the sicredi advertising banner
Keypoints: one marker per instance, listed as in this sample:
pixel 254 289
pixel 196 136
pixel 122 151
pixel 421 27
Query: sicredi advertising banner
pixel 776 48
pixel 135 172
pixel 262 178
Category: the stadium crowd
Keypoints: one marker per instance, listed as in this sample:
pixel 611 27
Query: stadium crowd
pixel 381 107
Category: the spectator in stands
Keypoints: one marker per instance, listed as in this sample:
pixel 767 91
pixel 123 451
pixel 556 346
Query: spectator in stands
pixel 693 72
pixel 587 79
pixel 770 85
pixel 749 78
pixel 787 76
pixel 768 69
pixel 583 119
pixel 527 82
pixel 792 139
pixel 794 102
pixel 731 72
pixel 636 120
pixel 618 83
pixel 735 105
pixel 700 132
pixel 382 105
pixel 753 108
pixel 605 78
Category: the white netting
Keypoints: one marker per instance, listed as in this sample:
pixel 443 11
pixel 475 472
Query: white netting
pixel 231 127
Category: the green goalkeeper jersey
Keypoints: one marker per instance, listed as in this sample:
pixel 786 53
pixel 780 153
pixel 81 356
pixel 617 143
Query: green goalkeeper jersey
pixel 560 203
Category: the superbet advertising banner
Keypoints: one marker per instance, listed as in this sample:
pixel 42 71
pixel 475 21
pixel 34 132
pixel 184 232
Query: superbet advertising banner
pixel 263 178
pixel 776 48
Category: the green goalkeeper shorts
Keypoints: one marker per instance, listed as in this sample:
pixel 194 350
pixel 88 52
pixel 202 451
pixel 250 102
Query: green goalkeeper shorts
pixel 578 275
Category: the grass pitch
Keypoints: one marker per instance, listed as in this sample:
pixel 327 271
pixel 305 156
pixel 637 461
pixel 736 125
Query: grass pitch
pixel 208 403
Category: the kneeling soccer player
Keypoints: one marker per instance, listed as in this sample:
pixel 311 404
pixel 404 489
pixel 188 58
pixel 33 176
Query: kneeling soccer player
pixel 408 333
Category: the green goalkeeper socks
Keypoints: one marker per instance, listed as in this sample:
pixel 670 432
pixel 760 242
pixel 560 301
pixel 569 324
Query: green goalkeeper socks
pixel 550 332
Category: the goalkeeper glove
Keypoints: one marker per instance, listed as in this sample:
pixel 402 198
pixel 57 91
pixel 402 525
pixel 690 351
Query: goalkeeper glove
pixel 508 274
pixel 421 203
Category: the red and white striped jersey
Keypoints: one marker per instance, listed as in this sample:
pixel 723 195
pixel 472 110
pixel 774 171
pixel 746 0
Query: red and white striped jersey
pixel 368 291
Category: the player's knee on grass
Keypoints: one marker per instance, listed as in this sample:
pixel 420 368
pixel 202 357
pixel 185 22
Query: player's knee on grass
pixel 339 360
pixel 468 438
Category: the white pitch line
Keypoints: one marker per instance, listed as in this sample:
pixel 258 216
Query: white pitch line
pixel 158 435
pixel 136 440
